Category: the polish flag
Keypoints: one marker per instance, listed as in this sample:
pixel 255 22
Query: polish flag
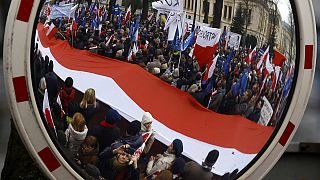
pixel 211 66
pixel 252 53
pixel 127 16
pixel 51 31
pixel 206 45
pixel 131 101
pixel 263 58
pixel 46 110
pixel 73 27
pixel 269 66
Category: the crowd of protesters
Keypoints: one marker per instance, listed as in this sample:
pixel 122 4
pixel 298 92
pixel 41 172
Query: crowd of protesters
pixel 100 151
pixel 237 89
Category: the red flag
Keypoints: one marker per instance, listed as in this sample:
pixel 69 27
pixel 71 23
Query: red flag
pixel 278 58
pixel 206 45
pixel 73 27
pixel 51 31
pixel 46 110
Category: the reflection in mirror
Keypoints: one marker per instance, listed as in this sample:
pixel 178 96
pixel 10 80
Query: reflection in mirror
pixel 148 88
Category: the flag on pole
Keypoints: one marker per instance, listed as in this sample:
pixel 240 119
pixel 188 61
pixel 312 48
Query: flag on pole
pixel 278 58
pixel 226 64
pixel 176 45
pixel 51 31
pixel 127 16
pixel 269 67
pixel 47 111
pixel 206 45
pixel 263 58
pixel 189 41
pixel 212 67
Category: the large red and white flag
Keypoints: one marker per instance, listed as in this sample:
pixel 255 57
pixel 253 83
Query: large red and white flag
pixel 51 31
pixel 263 58
pixel 206 44
pixel 131 101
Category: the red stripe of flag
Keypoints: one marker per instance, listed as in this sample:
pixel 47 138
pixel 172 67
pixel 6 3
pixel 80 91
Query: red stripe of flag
pixel 25 10
pixel 49 159
pixel 20 89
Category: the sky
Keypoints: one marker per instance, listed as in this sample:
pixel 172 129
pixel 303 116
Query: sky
pixel 284 10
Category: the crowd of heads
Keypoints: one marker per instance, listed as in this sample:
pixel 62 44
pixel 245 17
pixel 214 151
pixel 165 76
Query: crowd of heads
pixel 100 149
pixel 154 53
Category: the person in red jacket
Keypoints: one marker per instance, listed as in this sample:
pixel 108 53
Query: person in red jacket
pixel 67 93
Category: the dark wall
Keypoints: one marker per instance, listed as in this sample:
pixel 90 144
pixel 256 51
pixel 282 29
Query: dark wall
pixel 4 7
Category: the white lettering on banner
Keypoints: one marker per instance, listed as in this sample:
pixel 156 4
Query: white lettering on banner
pixel 234 40
pixel 266 112
pixel 168 5
pixel 62 11
pixel 208 36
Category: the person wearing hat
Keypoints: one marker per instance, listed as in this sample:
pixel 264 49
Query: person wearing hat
pixel 193 170
pixel 164 161
pixel 146 123
pixel 119 163
pixel 107 132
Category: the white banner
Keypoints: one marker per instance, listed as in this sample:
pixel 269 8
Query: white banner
pixel 234 40
pixel 198 25
pixel 168 6
pixel 208 36
pixel 66 10
pixel 266 112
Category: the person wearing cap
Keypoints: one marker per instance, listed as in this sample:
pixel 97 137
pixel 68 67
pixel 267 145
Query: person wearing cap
pixel 107 131
pixel 146 127
pixel 164 161
pixel 119 163
pixel 193 170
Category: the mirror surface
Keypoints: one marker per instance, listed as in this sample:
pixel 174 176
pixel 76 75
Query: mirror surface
pixel 213 74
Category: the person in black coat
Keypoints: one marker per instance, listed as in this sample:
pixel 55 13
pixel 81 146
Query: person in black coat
pixel 119 163
pixel 107 132
pixel 52 84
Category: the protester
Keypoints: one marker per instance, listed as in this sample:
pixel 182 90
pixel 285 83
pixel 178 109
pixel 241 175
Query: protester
pixel 88 152
pixel 67 93
pixel 146 127
pixel 88 105
pixel 107 131
pixel 164 161
pixel 193 170
pixel 76 133
pixel 116 163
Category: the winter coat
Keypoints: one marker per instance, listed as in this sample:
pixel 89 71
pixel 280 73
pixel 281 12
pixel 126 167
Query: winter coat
pixel 164 162
pixel 89 112
pixel 105 133
pixel 67 96
pixel 193 170
pixel 52 86
pixel 75 138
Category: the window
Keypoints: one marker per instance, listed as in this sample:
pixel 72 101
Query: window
pixel 185 3
pixel 230 12
pixel 188 4
pixel 225 8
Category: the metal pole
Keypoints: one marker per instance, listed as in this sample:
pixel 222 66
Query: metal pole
pixel 194 15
